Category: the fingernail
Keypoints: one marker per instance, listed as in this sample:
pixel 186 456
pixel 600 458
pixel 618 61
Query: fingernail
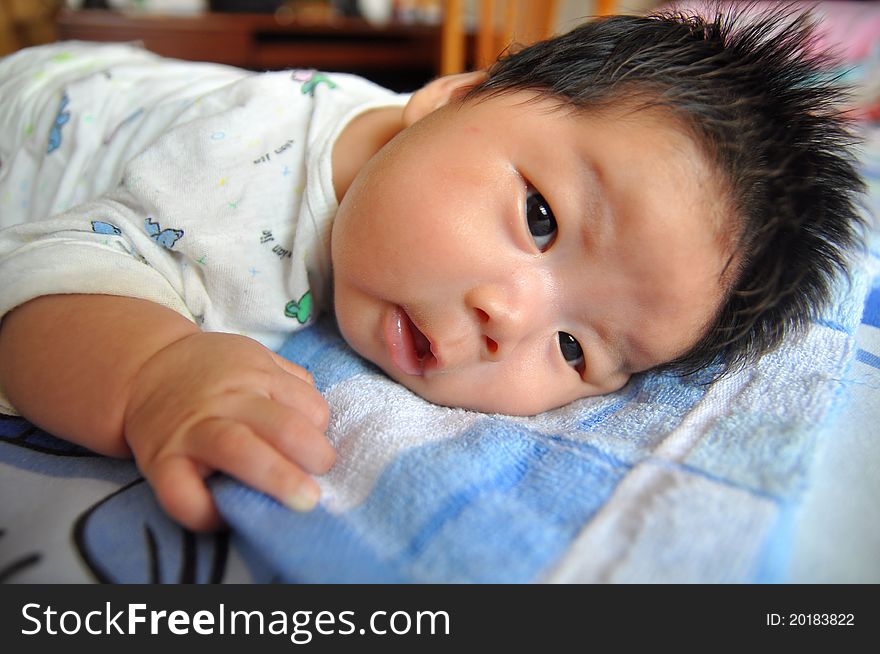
pixel 305 499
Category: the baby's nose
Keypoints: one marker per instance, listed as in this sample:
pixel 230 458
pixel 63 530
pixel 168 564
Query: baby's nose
pixel 504 315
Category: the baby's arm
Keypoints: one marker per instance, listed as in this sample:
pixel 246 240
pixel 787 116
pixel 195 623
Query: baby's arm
pixel 124 376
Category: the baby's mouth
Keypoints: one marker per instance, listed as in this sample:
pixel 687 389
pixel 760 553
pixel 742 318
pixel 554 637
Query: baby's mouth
pixel 408 347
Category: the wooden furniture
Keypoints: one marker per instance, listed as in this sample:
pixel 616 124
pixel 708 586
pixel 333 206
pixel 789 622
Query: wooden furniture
pixel 398 56
pixel 25 23
pixel 521 21
pixel 401 57
pixel 605 7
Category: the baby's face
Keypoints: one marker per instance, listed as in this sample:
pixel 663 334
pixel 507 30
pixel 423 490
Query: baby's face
pixel 510 257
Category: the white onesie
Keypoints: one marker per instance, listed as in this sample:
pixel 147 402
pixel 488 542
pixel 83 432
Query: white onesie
pixel 204 188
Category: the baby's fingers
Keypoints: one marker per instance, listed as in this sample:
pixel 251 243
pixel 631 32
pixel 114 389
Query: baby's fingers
pixel 304 399
pixel 293 369
pixel 233 448
pixel 181 491
pixel 297 438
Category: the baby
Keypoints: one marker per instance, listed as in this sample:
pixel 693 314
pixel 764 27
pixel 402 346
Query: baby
pixel 640 193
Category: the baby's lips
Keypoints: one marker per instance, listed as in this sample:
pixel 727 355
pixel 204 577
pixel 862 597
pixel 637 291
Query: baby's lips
pixel 401 344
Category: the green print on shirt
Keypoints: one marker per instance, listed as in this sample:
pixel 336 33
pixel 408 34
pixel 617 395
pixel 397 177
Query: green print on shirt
pixel 309 79
pixel 300 309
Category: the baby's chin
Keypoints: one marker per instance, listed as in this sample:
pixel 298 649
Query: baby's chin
pixel 451 398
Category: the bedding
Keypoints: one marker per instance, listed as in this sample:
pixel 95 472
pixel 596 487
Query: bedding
pixel 767 475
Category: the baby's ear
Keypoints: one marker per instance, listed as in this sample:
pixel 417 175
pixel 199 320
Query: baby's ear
pixel 438 93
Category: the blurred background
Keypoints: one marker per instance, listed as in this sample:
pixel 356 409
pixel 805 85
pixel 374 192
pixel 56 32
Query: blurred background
pixel 400 44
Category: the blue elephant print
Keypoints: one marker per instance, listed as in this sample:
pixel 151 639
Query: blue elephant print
pixel 164 237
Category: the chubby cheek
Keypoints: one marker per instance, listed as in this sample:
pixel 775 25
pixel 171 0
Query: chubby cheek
pixel 353 321
pixel 386 228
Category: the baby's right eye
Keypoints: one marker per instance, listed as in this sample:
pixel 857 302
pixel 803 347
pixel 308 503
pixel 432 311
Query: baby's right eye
pixel 542 224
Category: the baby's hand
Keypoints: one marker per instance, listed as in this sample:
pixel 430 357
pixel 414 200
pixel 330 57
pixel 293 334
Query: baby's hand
pixel 223 402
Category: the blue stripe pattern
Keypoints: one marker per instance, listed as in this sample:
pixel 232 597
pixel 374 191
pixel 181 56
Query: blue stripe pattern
pixel 499 503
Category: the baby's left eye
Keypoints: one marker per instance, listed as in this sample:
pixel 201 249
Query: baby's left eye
pixel 542 224
pixel 571 351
